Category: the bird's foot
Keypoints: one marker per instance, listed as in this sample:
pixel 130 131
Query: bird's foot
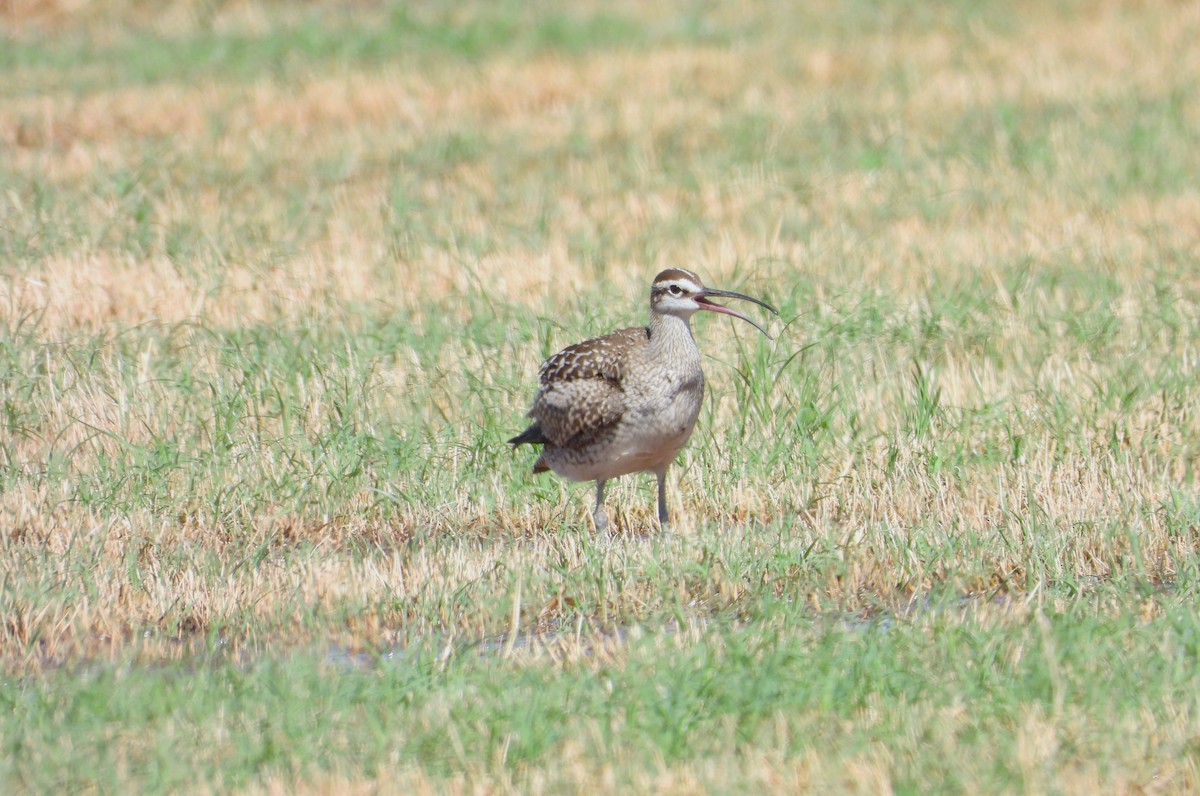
pixel 664 519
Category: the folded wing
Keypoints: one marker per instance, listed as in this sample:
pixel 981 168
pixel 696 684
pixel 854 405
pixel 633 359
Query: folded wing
pixel 582 393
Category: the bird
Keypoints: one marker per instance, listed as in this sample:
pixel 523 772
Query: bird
pixel 627 402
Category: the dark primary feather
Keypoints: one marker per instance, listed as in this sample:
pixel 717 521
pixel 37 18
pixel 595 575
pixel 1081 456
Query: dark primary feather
pixel 530 436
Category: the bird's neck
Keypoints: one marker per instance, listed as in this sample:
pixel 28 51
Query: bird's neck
pixel 671 333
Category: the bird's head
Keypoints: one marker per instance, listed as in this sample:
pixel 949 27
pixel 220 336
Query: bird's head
pixel 679 292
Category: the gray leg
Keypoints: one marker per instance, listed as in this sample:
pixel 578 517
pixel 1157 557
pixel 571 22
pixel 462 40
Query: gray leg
pixel 663 519
pixel 598 515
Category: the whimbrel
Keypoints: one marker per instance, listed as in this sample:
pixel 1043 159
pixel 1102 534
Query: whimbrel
pixel 627 402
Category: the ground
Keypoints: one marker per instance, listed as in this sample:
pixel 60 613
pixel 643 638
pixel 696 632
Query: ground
pixel 275 281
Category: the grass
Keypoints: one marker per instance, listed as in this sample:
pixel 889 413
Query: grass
pixel 818 704
pixel 276 282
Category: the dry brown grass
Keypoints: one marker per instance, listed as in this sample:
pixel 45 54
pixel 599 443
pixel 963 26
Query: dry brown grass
pixel 368 117
pixel 945 194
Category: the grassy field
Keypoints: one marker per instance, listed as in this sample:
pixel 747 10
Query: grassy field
pixel 275 280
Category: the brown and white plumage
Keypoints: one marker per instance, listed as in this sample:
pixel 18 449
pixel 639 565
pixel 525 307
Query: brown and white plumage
pixel 626 402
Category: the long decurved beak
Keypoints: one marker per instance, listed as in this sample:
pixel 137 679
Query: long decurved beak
pixel 705 304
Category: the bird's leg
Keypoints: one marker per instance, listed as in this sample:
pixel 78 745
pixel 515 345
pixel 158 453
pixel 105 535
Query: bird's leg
pixel 663 520
pixel 598 515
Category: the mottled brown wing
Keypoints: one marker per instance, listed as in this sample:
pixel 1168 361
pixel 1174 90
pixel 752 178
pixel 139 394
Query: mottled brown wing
pixel 582 394
pixel 598 358
pixel 572 413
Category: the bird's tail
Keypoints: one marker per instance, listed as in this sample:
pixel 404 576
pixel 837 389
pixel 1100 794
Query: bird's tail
pixel 530 436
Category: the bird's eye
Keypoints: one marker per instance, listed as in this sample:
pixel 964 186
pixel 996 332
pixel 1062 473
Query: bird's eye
pixel 675 290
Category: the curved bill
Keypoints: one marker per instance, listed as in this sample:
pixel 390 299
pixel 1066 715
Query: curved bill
pixel 702 300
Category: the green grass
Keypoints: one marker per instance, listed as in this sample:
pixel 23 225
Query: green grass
pixel 311 40
pixel 275 284
pixel 956 695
